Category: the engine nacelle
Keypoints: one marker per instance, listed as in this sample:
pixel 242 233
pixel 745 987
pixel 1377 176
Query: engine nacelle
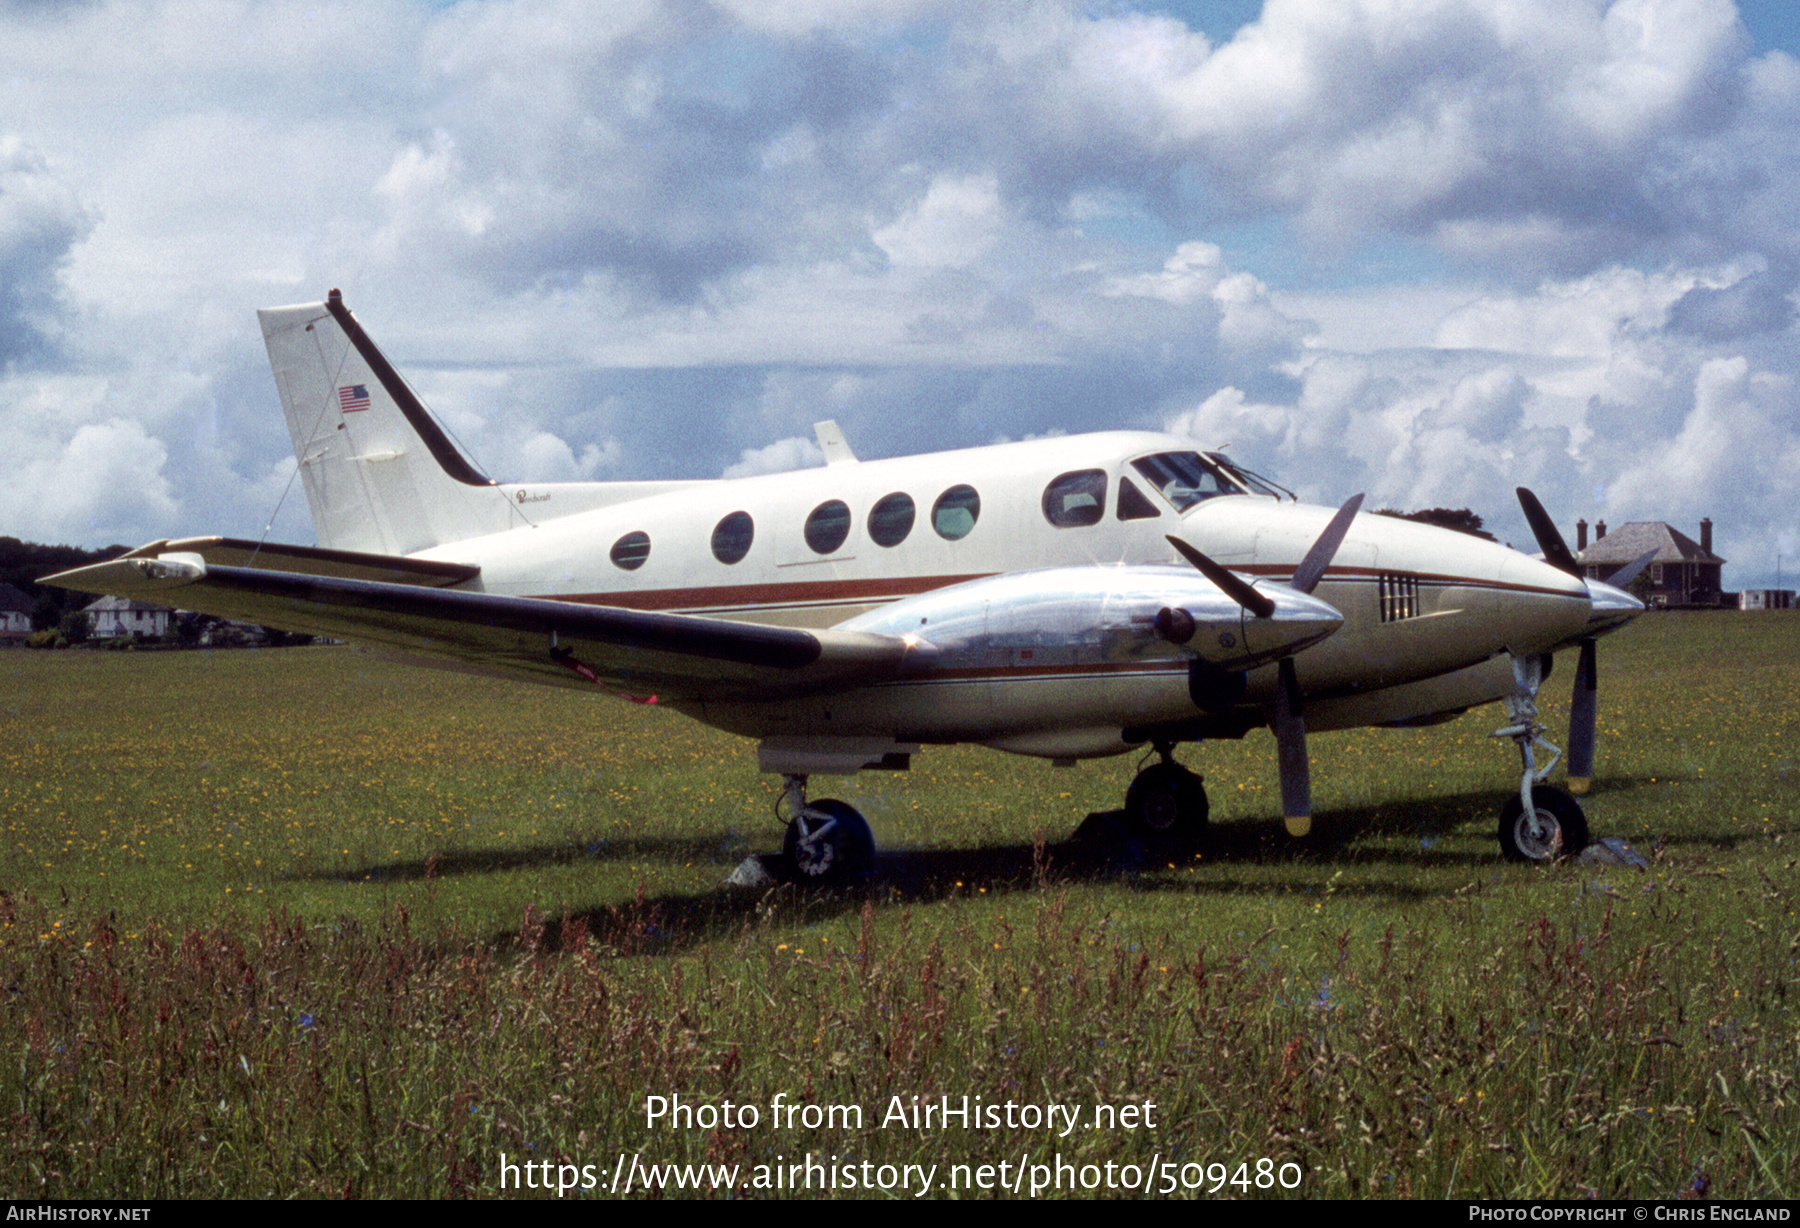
pixel 1085 615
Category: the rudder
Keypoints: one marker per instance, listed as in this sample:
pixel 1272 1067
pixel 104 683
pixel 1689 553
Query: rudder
pixel 380 474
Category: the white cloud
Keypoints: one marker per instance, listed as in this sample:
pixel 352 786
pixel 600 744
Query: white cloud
pixel 1583 318
pixel 543 457
pixel 1585 390
pixel 1227 419
pixel 1193 272
pixel 40 220
pixel 651 237
pixel 1531 133
pixel 952 227
pixel 794 452
pixel 1737 450
pixel 107 484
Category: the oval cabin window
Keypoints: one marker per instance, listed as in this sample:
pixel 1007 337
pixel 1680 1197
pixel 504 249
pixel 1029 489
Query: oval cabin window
pixel 631 550
pixel 828 526
pixel 955 512
pixel 732 537
pixel 891 519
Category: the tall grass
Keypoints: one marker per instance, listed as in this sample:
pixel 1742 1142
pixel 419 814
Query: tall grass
pixel 298 924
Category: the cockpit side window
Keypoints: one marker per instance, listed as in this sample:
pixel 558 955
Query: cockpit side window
pixel 1134 504
pixel 1184 478
pixel 1076 499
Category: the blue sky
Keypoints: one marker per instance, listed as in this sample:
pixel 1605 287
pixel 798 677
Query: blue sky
pixel 1771 24
pixel 1426 249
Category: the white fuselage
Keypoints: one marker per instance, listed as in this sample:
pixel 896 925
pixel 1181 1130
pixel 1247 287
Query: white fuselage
pixel 1424 609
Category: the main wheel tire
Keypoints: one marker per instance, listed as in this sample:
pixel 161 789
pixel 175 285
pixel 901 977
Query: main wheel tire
pixel 843 851
pixel 1559 828
pixel 1166 798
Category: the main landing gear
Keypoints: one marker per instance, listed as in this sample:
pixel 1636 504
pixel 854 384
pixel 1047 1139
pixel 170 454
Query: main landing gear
pixel 1540 822
pixel 1165 798
pixel 828 842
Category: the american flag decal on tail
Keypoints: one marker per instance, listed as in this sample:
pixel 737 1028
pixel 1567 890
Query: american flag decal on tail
pixel 353 397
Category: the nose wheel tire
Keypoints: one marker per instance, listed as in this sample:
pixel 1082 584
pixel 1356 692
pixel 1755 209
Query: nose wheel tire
pixel 1164 799
pixel 829 843
pixel 1557 828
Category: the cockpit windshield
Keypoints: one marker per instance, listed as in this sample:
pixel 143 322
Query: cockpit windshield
pixel 1185 478
pixel 1255 483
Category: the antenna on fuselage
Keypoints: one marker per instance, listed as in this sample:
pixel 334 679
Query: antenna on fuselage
pixel 832 443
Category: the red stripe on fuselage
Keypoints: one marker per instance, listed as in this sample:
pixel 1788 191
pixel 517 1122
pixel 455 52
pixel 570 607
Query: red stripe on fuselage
pixel 1276 570
pixel 797 593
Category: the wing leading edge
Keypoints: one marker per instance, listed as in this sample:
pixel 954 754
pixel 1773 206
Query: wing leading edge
pixel 636 653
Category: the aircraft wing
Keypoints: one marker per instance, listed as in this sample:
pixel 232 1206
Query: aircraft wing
pixel 638 654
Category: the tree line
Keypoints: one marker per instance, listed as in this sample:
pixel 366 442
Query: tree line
pixel 23 564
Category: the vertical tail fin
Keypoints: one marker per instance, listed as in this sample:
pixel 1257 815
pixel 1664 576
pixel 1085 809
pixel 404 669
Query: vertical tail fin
pixel 380 474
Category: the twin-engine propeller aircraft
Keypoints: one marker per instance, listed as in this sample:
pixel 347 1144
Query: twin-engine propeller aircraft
pixel 1066 598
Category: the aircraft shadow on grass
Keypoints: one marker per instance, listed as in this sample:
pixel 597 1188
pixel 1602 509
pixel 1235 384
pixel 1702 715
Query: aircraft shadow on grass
pixel 1409 834
pixel 1111 849
pixel 1101 850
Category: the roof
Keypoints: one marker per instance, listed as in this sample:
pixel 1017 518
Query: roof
pixel 123 605
pixel 14 601
pixel 1628 541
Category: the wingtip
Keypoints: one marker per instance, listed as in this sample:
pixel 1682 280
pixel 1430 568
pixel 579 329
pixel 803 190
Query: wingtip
pixel 123 577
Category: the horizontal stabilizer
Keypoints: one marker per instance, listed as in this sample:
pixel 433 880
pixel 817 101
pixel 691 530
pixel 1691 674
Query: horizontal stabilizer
pixel 314 561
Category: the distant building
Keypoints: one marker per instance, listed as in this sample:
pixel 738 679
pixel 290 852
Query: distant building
pixel 1766 599
pixel 111 617
pixel 15 613
pixel 1682 571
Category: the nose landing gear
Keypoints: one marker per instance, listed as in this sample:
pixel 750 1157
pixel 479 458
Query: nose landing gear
pixel 1554 827
pixel 1540 822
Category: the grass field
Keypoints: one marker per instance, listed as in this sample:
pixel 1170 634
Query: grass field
pixel 302 923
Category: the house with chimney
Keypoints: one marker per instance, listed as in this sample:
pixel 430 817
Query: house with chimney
pixel 1682 571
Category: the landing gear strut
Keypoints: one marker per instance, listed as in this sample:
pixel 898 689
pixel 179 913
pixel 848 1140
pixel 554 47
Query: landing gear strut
pixel 1165 798
pixel 1540 822
pixel 827 842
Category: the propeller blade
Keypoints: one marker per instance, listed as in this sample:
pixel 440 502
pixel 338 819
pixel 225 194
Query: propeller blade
pixel 1290 751
pixel 1290 722
pixel 1583 707
pixel 1232 585
pixel 1312 567
pixel 1623 577
pixel 1556 550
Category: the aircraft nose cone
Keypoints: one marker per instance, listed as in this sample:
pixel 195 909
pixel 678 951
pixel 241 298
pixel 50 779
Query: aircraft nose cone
pixel 1610 607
